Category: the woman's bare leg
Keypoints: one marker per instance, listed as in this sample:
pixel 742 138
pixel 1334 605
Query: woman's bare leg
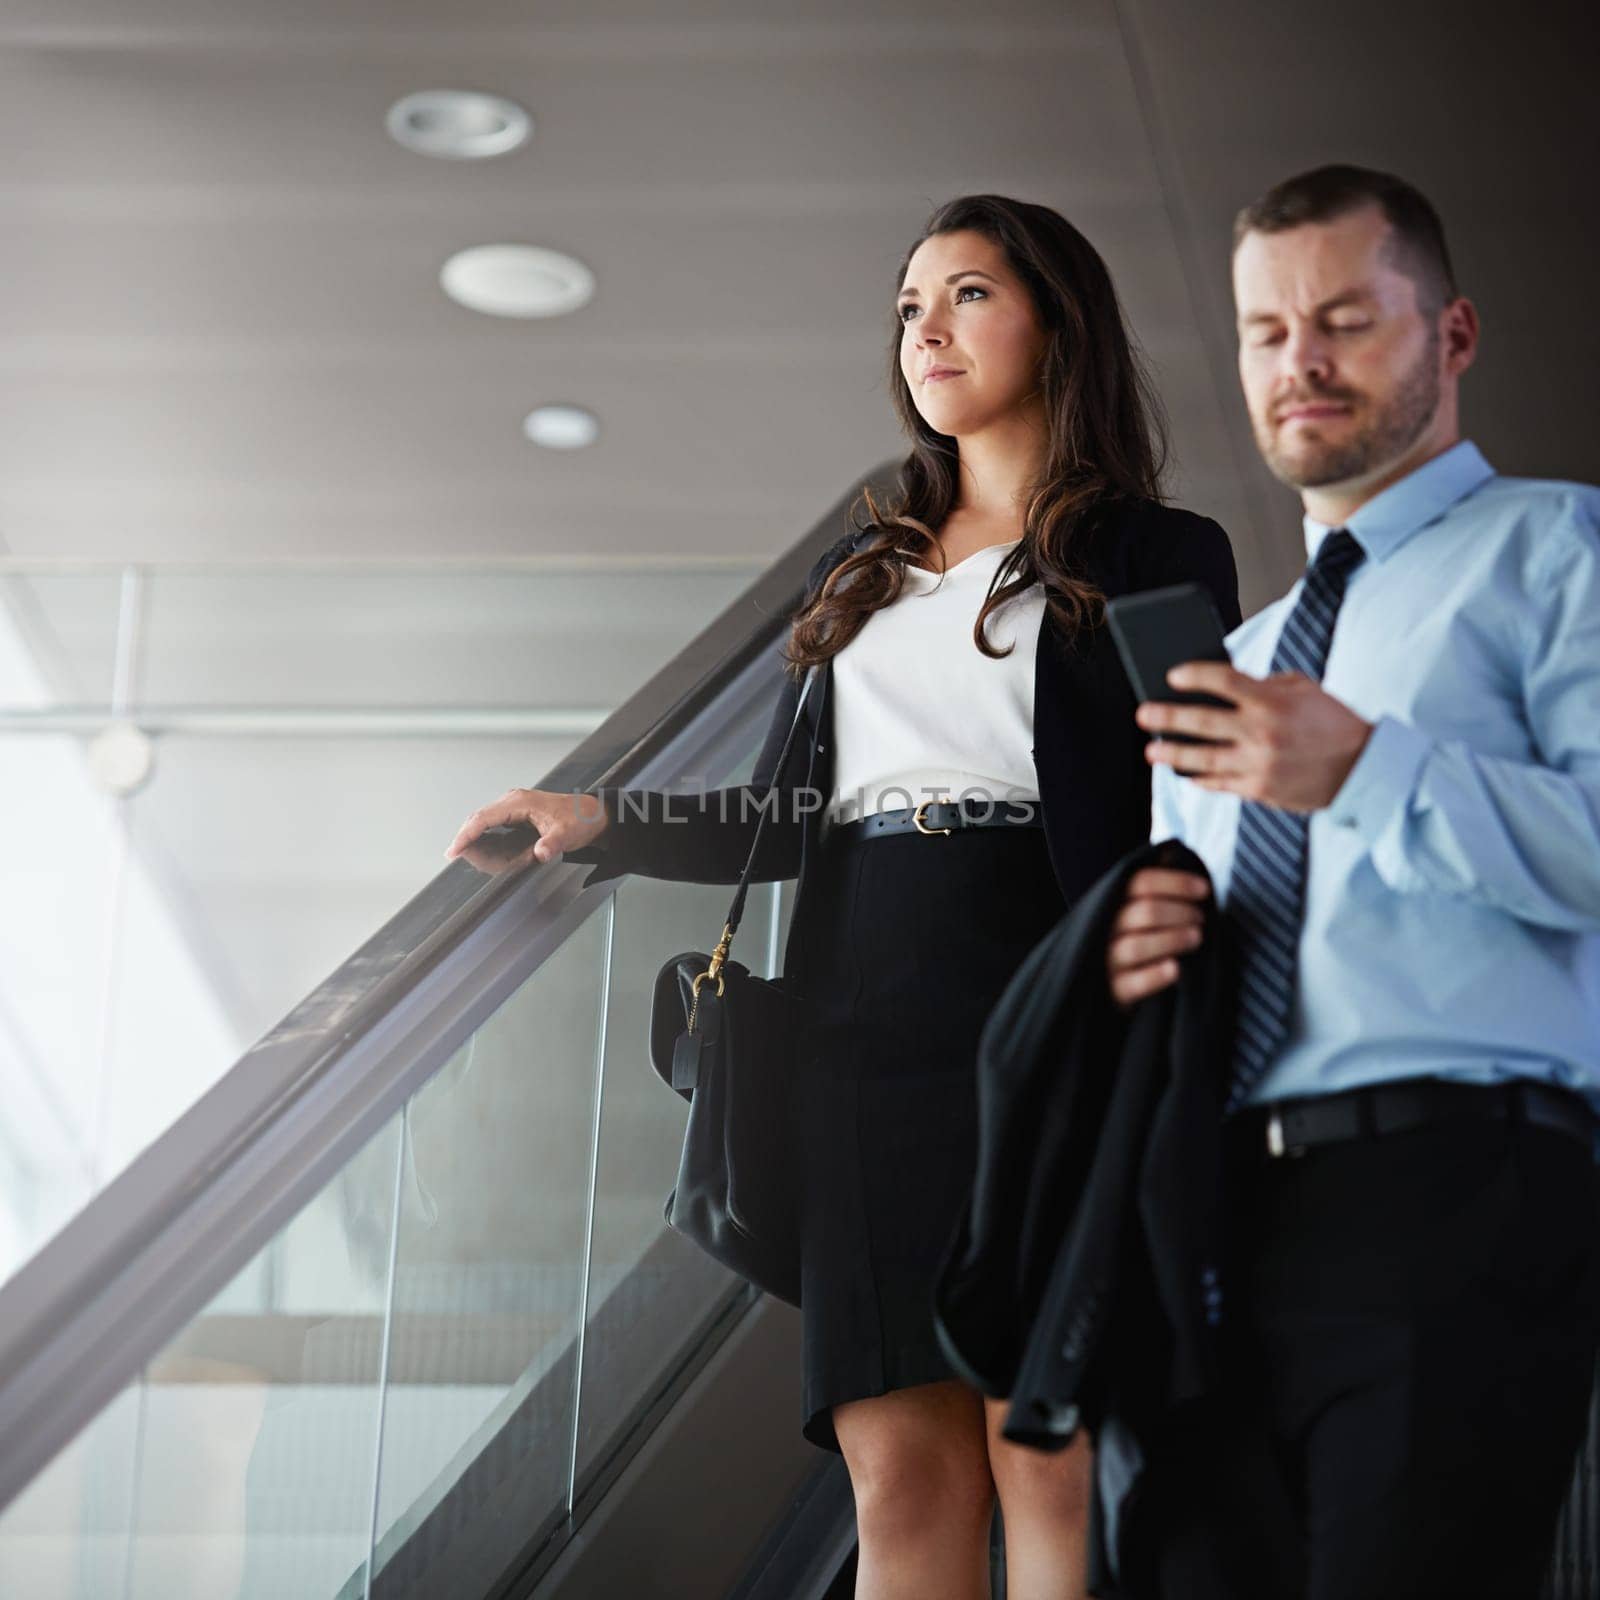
pixel 919 1469
pixel 1044 1502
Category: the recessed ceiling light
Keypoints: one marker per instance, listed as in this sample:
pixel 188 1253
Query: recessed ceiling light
pixel 561 427
pixel 121 758
pixel 516 280
pixel 458 124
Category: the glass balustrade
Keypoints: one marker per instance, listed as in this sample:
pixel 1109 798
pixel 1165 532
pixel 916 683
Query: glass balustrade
pixel 487 1291
pixel 214 784
pixel 242 1461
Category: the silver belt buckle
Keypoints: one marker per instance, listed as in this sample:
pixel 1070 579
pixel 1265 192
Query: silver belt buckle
pixel 1277 1145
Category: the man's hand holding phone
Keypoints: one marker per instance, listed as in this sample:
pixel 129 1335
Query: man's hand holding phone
pixel 1283 741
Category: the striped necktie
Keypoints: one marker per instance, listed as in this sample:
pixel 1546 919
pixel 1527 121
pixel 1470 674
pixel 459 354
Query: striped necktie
pixel 1266 893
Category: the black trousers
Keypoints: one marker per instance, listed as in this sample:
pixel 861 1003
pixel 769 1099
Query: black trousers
pixel 1417 1318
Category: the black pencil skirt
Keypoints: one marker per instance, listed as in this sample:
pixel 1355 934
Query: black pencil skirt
pixel 912 941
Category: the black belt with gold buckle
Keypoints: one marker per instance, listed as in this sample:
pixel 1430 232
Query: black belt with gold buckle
pixel 1291 1127
pixel 938 818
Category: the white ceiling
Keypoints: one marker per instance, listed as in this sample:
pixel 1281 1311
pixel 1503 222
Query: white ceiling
pixel 221 335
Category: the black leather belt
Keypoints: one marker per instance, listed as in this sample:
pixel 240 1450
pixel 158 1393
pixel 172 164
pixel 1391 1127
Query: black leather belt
pixel 938 818
pixel 1291 1127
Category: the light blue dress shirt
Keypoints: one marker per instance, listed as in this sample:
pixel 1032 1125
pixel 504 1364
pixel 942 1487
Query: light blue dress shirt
pixel 1452 916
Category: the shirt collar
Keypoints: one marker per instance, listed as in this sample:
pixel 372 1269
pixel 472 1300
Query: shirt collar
pixel 1387 520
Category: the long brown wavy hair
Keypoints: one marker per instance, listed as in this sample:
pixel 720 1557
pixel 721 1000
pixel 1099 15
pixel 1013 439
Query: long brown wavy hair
pixel 1107 440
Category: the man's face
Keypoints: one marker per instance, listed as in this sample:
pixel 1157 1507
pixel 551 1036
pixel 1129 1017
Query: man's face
pixel 1341 369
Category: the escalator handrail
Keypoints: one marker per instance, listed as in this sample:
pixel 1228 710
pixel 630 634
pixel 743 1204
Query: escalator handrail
pixel 81 1318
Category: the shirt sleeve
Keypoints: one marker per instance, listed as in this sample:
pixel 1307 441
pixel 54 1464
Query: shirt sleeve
pixel 1521 836
pixel 1166 818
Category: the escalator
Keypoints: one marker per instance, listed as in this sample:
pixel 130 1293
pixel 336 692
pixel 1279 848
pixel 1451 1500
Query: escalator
pixel 392 1311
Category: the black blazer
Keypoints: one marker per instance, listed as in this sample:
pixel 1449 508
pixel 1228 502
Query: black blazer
pixel 1085 1278
pixel 1094 783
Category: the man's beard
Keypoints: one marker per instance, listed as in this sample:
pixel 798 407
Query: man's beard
pixel 1396 427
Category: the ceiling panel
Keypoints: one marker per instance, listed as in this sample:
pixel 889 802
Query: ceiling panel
pixel 224 333
pixel 467 18
pixel 225 336
pixel 216 114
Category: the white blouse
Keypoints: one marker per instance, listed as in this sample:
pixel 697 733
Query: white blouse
pixel 920 713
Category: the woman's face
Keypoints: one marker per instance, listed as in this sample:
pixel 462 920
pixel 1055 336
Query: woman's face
pixel 962 307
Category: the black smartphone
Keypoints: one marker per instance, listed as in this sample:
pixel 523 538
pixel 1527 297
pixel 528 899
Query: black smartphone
pixel 1160 628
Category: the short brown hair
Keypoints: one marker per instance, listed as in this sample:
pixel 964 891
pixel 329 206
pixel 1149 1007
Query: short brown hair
pixel 1334 191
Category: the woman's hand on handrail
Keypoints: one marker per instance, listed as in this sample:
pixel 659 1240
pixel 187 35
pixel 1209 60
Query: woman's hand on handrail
pixel 559 821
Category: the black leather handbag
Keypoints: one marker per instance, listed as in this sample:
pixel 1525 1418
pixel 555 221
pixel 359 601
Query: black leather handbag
pixel 725 1039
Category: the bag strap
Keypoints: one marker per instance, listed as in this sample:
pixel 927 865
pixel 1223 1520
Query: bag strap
pixel 736 910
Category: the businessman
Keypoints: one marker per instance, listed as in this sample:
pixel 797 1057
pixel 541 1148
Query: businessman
pixel 1400 812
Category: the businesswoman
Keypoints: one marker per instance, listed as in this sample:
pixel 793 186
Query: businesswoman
pixel 965 666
